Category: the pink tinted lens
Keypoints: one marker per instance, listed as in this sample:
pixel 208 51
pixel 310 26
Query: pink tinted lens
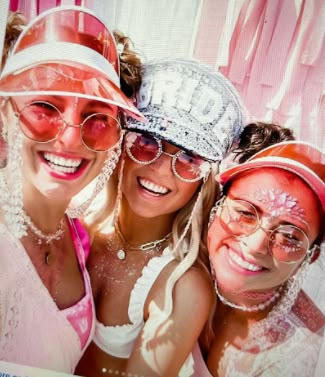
pixel 288 244
pixel 144 148
pixel 188 166
pixel 40 121
pixel 100 132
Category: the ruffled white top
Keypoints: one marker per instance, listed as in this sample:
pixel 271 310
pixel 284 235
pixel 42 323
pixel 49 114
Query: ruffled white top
pixel 118 341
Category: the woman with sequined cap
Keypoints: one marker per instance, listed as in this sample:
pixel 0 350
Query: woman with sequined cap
pixel 143 249
pixel 60 105
pixel 264 233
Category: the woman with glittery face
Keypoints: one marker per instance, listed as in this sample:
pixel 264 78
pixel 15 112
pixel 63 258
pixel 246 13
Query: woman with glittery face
pixel 264 233
pixel 146 292
pixel 60 107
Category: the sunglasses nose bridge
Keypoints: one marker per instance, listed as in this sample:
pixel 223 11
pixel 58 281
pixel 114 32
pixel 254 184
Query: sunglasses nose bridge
pixel 65 128
pixel 265 224
pixel 168 154
pixel 69 133
pixel 161 161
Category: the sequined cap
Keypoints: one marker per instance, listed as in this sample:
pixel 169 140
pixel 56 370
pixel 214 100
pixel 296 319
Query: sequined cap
pixel 189 104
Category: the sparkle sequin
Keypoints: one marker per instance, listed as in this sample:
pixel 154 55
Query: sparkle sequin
pixel 190 105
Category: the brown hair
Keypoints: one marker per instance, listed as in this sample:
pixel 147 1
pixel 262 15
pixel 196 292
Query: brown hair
pixel 259 135
pixel 130 65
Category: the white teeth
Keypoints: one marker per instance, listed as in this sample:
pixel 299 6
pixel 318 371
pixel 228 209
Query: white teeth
pixel 67 162
pixel 242 263
pixel 61 164
pixel 62 169
pixel 153 187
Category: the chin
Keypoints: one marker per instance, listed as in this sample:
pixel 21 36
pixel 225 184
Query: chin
pixel 58 192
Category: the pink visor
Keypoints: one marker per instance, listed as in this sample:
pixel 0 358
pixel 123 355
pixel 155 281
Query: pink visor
pixel 302 159
pixel 66 51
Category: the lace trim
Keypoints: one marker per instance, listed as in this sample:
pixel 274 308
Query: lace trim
pixel 144 283
pixel 293 353
pixel 118 340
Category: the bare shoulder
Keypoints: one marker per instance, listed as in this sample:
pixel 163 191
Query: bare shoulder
pixel 195 286
pixel 194 289
pixel 196 281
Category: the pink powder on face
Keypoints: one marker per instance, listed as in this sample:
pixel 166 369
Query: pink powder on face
pixel 279 203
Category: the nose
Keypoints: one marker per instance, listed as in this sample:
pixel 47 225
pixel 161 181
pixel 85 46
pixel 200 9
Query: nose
pixel 256 243
pixel 163 163
pixel 70 135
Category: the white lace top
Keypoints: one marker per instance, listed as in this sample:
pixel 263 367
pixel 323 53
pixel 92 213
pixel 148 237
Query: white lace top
pixel 33 331
pixel 291 349
pixel 118 341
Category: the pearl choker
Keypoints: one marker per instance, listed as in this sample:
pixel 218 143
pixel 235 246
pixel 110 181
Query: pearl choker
pixel 254 308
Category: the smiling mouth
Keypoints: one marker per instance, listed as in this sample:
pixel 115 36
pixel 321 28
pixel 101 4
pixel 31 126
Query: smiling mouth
pixel 61 164
pixel 237 259
pixel 152 188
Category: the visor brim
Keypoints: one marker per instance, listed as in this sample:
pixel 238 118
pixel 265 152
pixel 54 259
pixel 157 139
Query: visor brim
pixel 67 80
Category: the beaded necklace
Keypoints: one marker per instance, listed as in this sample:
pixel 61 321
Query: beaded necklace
pixel 254 308
pixel 45 238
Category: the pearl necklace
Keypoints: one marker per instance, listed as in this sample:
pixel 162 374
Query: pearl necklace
pixel 121 253
pixel 254 308
pixel 49 237
pixel 45 238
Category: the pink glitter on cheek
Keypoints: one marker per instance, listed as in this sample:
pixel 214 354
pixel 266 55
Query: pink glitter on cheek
pixel 280 203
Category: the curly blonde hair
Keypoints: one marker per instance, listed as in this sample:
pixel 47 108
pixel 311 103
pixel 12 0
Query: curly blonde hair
pixel 130 64
pixel 15 25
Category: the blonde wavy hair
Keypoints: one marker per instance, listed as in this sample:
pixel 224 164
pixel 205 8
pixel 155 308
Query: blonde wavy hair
pixel 189 230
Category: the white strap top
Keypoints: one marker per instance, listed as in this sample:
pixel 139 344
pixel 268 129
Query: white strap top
pixel 118 340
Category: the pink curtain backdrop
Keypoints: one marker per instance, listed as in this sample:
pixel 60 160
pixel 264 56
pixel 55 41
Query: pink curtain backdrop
pixel 273 51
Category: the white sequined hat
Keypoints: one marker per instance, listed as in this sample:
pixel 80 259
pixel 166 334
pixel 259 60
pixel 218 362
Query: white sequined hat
pixel 189 104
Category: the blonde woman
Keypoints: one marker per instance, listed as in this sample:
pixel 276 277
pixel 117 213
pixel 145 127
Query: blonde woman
pixel 141 258
pixel 60 108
